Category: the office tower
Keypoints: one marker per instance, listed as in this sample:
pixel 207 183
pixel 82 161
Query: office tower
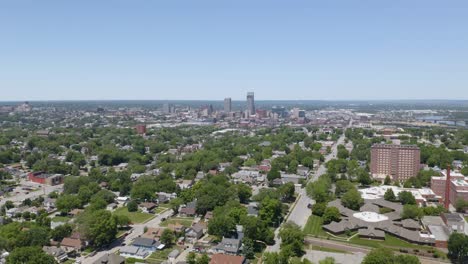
pixel 400 162
pixel 227 105
pixel 250 103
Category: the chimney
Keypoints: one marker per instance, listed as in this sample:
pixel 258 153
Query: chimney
pixel 447 189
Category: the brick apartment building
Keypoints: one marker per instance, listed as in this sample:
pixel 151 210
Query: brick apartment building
pixel 400 162
pixel 458 186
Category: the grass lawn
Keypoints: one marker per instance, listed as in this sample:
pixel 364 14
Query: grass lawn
pixel 61 219
pixel 160 210
pixel 314 226
pixel 390 241
pixel 187 222
pixel 161 255
pixel 135 217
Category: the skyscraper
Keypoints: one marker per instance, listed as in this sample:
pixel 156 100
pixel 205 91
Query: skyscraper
pixel 227 105
pixel 250 103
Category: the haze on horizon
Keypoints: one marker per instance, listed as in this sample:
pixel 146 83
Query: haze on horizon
pixel 208 50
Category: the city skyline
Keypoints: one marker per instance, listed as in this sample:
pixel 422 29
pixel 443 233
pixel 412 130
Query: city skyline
pixel 210 50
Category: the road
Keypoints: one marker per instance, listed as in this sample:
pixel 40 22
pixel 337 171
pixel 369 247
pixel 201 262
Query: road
pixel 136 231
pixel 300 213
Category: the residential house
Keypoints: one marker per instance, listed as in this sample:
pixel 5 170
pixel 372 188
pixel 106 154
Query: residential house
pixel 189 209
pixel 173 255
pixel 146 243
pixel 58 253
pixel 134 252
pixel 227 259
pixel 230 246
pixel 49 204
pixel 165 197
pixel 252 209
pixel 208 216
pixel 185 184
pixel 193 233
pixel 111 207
pixel 147 207
pixel 70 244
pixel 123 199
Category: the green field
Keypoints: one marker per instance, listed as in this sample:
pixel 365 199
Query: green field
pixel 185 221
pixel 314 226
pixel 135 217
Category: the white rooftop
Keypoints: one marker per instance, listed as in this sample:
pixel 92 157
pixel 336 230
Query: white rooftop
pixel 370 217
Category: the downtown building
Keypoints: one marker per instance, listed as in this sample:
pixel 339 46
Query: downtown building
pixel 400 162
pixel 227 105
pixel 250 104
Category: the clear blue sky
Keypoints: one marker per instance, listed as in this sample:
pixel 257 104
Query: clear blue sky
pixel 198 49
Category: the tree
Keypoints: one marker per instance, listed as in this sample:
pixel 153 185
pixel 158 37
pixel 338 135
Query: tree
pixel 319 209
pixel 203 259
pixel 68 202
pixel 36 236
pixel 319 190
pixel 352 199
pixel 132 206
pixel 407 259
pixel 122 220
pixel 98 226
pixel 61 232
pixel 244 192
pixel 270 211
pixel 327 260
pixel 342 186
pixel 379 256
pixel 363 177
pixel 248 248
pixel 387 180
pixel 292 239
pixel 389 195
pixel 167 237
pixel 191 258
pixel 221 226
pixel 411 211
pixel 331 214
pixel 29 255
pixel 460 205
pixel 406 197
pixel 273 174
pixel 287 191
pixel 458 247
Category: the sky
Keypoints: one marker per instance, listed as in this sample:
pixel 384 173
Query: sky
pixel 197 50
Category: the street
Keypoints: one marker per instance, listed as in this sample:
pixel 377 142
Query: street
pixel 136 231
pixel 300 213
